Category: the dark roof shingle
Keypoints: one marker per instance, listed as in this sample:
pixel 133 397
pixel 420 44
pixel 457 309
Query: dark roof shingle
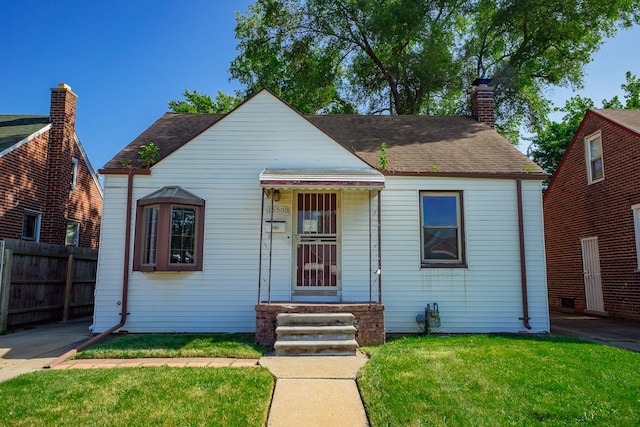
pixel 168 133
pixel 15 128
pixel 626 118
pixel 426 144
pixel 415 144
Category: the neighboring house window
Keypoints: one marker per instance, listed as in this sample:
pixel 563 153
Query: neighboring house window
pixel 31 225
pixel 169 231
pixel 73 233
pixel 74 173
pixel 593 149
pixel 442 232
pixel 636 224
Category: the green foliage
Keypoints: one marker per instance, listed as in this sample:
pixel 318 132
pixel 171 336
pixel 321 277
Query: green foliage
pixel 148 154
pixel 482 380
pixel 410 57
pixel 549 145
pixel 632 95
pixel 149 396
pixel 195 102
pixel 384 162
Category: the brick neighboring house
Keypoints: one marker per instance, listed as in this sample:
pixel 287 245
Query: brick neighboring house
pixel 592 218
pixel 50 191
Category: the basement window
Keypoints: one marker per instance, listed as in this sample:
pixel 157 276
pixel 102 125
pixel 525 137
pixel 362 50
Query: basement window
pixel 169 231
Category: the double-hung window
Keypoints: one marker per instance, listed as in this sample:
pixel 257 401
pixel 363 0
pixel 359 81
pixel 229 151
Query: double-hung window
pixel 442 231
pixel 593 150
pixel 169 231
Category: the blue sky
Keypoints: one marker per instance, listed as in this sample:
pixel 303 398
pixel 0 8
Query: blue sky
pixel 126 59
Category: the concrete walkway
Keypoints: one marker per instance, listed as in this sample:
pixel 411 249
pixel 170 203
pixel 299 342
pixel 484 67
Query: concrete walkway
pixel 316 391
pixel 29 350
pixel 175 362
pixel 616 333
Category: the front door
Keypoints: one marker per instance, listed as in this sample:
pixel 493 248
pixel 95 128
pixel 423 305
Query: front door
pixel 316 245
pixel 591 271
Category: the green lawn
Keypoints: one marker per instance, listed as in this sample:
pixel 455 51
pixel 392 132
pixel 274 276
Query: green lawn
pixel 482 380
pixel 159 396
pixel 132 346
pixel 475 380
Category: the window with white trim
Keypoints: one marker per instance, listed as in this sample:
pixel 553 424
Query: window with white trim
pixel 169 231
pixel 442 235
pixel 31 221
pixel 73 233
pixel 636 226
pixel 593 150
pixel 74 173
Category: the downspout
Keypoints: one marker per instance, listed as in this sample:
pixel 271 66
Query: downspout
pixel 523 264
pixel 379 248
pixel 260 251
pixel 125 284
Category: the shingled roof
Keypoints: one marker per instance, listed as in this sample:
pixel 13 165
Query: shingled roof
pixel 168 133
pixel 427 144
pixel 629 119
pixel 16 128
pixel 416 145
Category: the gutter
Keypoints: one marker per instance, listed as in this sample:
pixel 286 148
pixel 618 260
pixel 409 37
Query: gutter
pixel 523 265
pixel 125 284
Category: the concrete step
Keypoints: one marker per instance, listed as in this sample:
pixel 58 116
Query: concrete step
pixel 314 348
pixel 316 319
pixel 315 333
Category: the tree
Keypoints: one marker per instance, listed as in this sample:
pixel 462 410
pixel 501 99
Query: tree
pixel 632 95
pixel 550 144
pixel 419 57
pixel 195 102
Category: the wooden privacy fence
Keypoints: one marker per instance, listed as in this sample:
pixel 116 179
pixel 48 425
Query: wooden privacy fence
pixel 42 283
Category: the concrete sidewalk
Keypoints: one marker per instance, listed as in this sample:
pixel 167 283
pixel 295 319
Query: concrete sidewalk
pixel 29 350
pixel 623 334
pixel 316 391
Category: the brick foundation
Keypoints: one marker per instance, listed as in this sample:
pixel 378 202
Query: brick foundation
pixel 369 319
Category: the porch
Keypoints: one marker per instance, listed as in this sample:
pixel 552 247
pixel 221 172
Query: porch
pixel 309 203
pixel 369 319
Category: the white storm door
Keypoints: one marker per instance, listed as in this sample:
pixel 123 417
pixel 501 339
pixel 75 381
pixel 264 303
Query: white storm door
pixel 316 243
pixel 591 271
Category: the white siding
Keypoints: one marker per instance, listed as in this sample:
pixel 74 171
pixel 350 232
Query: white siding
pixel 484 297
pixel 222 166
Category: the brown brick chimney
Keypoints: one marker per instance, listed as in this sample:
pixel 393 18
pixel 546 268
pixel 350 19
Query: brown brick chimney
pixel 59 165
pixel 482 105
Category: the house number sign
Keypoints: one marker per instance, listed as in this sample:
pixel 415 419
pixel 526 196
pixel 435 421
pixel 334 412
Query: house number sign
pixel 281 210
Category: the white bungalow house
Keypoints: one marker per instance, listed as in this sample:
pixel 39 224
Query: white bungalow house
pixel 264 210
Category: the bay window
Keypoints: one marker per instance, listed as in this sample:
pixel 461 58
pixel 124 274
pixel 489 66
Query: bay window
pixel 169 231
